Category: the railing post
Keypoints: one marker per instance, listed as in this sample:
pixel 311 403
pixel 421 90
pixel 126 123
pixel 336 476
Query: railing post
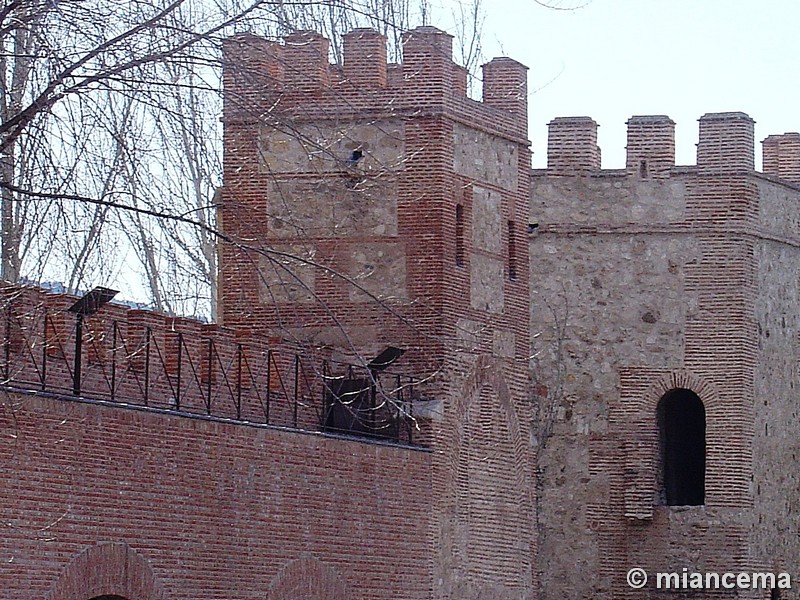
pixel 147 365
pixel 410 420
pixel 7 345
pixel 296 385
pixel 76 374
pixel 210 366
pixel 400 408
pixel 44 352
pixel 178 385
pixel 113 360
pixel 373 396
pixel 269 381
pixel 325 388
pixel 239 379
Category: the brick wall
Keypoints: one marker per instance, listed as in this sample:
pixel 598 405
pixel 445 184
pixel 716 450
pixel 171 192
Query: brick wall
pixel 572 145
pixel 100 500
pixel 157 361
pixel 368 205
pixel 781 154
pixel 651 146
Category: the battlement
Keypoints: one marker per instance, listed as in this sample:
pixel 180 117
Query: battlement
pixel 150 360
pixel 781 156
pixel 651 146
pixel 725 146
pixel 572 146
pixel 268 76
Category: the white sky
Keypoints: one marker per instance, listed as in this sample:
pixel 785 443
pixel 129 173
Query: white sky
pixel 616 58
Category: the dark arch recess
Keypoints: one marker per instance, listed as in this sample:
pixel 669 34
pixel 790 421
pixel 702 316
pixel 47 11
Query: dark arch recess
pixel 682 431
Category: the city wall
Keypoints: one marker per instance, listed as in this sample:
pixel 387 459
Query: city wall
pixel 101 500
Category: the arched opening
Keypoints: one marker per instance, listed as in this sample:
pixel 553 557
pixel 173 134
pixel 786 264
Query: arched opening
pixel 682 429
pixel 107 571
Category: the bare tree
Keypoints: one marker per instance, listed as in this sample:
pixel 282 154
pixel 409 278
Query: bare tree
pixel 68 78
pixel 120 102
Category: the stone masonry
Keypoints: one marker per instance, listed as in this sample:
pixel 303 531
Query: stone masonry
pixel 377 205
pixel 651 279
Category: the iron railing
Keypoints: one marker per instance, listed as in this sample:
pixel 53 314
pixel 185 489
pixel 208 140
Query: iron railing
pixel 194 369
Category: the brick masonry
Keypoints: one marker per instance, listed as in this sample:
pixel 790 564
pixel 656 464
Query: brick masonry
pixel 782 156
pixel 362 171
pixel 371 205
pixel 342 187
pixel 100 500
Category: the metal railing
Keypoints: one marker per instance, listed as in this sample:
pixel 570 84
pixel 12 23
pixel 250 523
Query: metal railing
pixel 200 371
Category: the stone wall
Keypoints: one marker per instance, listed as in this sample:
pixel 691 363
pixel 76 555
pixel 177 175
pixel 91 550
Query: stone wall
pixel 646 280
pixel 775 446
pixel 370 205
pixel 587 325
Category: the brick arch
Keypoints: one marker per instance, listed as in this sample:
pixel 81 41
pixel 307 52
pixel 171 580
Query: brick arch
pixel 683 379
pixel 489 371
pixel 107 569
pixel 310 579
pixel 483 405
pixel 642 446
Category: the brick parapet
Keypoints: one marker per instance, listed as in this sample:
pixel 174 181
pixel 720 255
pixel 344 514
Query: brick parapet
pixel 781 157
pixel 428 79
pixel 572 146
pixel 651 146
pixel 725 146
pixel 726 143
pixel 148 359
pixel 365 58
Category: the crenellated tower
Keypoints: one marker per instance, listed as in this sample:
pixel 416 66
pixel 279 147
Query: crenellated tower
pixel 372 206
pixel 666 368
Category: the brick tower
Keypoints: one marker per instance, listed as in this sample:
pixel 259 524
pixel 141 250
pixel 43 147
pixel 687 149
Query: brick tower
pixel 374 206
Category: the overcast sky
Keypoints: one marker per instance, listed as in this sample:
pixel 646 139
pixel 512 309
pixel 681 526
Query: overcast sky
pixel 616 58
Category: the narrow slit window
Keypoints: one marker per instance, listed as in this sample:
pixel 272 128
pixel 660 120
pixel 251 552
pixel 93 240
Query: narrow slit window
pixel 682 428
pixel 512 251
pixel 459 235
